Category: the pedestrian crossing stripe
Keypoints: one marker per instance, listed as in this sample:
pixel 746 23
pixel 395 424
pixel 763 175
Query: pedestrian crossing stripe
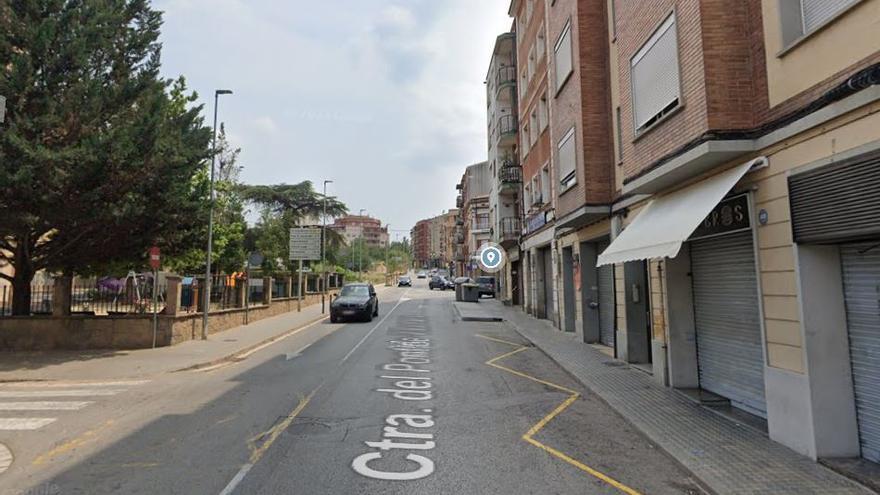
pixel 44 406
pixel 72 384
pixel 11 424
pixel 58 393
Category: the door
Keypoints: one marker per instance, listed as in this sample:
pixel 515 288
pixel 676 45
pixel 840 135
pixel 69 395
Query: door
pixel 860 264
pixel 638 320
pixel 607 313
pixel 548 283
pixel 568 289
pixel 514 282
pixel 730 353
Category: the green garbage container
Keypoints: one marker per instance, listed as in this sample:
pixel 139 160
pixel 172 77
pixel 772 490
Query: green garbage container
pixel 470 293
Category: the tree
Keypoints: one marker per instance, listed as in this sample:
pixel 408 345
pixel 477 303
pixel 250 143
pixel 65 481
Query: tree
pixel 100 156
pixel 284 206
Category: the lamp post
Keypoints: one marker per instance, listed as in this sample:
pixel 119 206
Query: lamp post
pixel 361 252
pixel 324 243
pixel 207 287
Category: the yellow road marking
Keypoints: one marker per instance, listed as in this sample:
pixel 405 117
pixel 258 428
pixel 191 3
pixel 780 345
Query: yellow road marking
pixel 529 435
pixel 79 441
pixel 275 431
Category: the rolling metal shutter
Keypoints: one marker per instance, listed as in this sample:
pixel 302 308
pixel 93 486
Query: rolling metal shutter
pixel 606 302
pixel 861 289
pixel 837 202
pixel 729 349
pixel 816 12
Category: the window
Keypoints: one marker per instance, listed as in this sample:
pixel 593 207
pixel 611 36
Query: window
pixel 802 17
pixel 545 181
pixel 562 56
pixel 543 113
pixel 619 133
pixel 524 141
pixel 534 127
pixel 523 86
pixel 532 64
pixel 567 164
pixel 530 7
pixel 541 42
pixel 654 68
pixel 527 194
pixel 536 191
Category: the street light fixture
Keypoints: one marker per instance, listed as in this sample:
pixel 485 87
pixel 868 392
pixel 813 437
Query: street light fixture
pixel 207 287
pixel 324 243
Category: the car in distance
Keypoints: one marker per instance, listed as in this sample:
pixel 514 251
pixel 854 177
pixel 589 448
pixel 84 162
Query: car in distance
pixel 487 285
pixel 438 282
pixel 356 300
pixel 404 281
pixel 422 274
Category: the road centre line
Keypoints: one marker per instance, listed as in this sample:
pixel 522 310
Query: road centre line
pixel 529 435
pixel 399 301
pixel 74 443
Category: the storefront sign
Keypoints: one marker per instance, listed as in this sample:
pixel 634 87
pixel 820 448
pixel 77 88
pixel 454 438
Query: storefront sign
pixel 535 222
pixel 730 215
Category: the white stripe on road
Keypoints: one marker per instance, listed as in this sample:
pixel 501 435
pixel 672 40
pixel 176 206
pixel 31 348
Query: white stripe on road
pixel 57 393
pixel 44 406
pixel 237 479
pixel 8 424
pixel 402 299
pixel 60 384
pixel 5 458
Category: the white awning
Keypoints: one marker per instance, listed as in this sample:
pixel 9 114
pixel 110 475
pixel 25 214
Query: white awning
pixel 669 220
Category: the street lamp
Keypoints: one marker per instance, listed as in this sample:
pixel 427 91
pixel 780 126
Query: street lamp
pixel 361 252
pixel 207 288
pixel 324 243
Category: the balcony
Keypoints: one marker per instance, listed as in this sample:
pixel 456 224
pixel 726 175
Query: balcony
pixel 459 221
pixel 459 201
pixel 510 176
pixel 505 83
pixel 507 129
pixel 481 224
pixel 510 230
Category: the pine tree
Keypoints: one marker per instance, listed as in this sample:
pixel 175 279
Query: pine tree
pixel 100 158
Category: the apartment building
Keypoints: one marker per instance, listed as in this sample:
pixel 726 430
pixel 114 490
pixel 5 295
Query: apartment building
pixel 745 226
pixel 354 227
pixel 473 217
pixel 701 188
pixel 539 267
pixel 421 241
pixel 505 194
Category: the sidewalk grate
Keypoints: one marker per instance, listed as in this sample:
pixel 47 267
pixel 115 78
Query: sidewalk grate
pixel 728 457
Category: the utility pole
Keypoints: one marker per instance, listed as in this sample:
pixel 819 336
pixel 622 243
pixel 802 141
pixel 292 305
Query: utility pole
pixel 324 245
pixel 207 287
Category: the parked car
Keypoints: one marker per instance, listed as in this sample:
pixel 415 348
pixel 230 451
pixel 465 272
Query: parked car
pixel 438 282
pixel 404 281
pixel 422 274
pixel 355 300
pixel 487 285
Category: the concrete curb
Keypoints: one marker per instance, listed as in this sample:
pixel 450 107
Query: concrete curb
pixel 242 354
pixel 6 458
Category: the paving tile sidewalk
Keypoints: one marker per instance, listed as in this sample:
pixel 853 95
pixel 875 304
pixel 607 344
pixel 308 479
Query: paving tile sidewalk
pixel 109 364
pixel 726 456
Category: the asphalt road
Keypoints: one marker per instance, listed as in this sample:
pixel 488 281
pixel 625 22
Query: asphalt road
pixel 404 404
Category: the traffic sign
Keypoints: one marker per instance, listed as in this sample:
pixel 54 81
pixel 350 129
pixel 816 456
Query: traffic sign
pixel 305 243
pixel 155 258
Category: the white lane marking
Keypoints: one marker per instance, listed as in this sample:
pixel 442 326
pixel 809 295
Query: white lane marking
pixel 402 298
pixel 5 458
pixel 60 384
pixel 237 479
pixel 44 406
pixel 57 393
pixel 8 424
pixel 291 355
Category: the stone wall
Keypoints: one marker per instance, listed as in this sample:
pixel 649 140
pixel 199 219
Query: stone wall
pixel 79 332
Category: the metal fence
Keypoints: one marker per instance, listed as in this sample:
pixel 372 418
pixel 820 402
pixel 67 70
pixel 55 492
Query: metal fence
pixel 131 298
pixel 41 299
pixel 224 292
pixel 279 288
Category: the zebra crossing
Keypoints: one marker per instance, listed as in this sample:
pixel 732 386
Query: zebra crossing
pixel 26 406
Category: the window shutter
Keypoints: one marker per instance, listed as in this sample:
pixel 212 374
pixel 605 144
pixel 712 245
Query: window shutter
pixel 563 55
pixel 655 82
pixel 567 159
pixel 816 12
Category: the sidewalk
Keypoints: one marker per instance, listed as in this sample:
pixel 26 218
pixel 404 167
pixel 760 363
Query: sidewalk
pixel 109 364
pixel 726 456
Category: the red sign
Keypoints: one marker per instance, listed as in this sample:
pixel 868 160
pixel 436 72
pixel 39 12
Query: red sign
pixel 154 258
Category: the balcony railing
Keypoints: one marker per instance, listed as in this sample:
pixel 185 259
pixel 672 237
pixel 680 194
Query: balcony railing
pixel 510 174
pixel 459 201
pixel 507 125
pixel 482 224
pixel 506 75
pixel 511 228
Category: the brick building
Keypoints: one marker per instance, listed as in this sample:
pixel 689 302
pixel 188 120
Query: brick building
pixel 713 185
pixel 354 227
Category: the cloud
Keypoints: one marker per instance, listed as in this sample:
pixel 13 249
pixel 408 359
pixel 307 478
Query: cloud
pixel 266 125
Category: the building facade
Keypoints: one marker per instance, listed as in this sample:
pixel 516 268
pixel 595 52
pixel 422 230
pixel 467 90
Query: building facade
pixel 473 217
pixel 354 227
pixel 421 242
pixel 704 200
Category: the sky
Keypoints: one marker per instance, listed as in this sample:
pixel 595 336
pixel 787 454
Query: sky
pixel 385 98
